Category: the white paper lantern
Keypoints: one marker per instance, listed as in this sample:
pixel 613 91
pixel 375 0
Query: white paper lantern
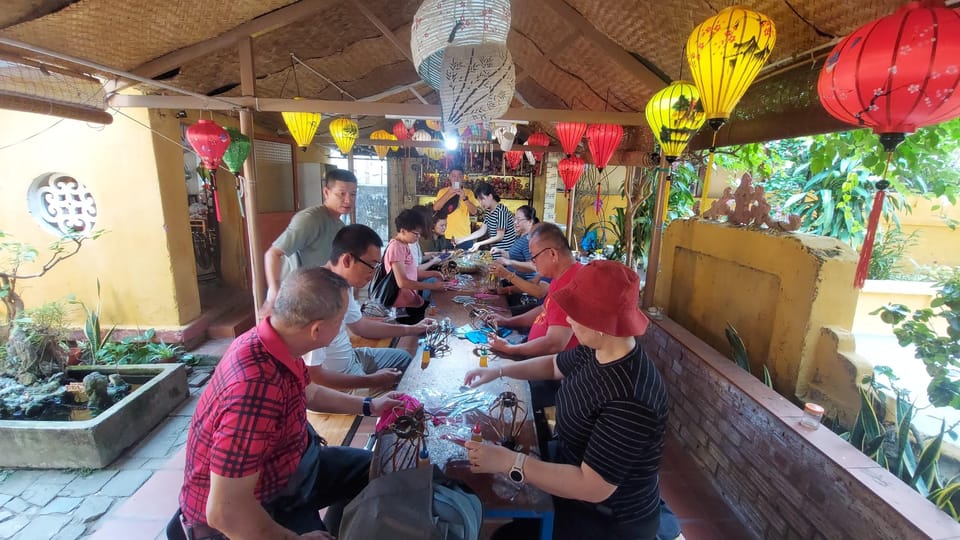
pixel 442 23
pixel 477 85
pixel 423 136
pixel 504 134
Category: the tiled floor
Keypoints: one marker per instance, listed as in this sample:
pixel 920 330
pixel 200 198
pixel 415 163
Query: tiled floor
pixel 703 514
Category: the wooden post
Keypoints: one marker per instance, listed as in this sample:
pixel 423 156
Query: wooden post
pixel 248 88
pixel 653 260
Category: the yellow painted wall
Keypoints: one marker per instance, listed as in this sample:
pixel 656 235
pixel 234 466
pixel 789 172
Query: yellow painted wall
pixel 937 244
pixel 145 259
pixel 778 290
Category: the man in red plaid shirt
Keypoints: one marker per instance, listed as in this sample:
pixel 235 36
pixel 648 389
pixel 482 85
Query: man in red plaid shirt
pixel 254 468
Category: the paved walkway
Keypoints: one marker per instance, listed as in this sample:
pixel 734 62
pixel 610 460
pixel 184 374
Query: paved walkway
pixel 74 504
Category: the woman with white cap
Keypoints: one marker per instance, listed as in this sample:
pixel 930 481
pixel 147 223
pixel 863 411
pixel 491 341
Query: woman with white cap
pixel 611 415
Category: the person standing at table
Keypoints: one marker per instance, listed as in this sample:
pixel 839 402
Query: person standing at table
pixel 498 229
pixel 603 468
pixel 458 203
pixel 307 240
pixel 410 278
pixel 254 466
pixel 355 257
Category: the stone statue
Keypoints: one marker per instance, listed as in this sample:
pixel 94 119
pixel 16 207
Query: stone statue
pixel 747 205
pixel 95 385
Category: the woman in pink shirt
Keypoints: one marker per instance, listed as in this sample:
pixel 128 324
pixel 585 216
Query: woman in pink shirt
pixel 411 279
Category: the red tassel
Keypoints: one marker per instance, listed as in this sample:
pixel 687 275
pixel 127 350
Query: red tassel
pixel 216 198
pixel 597 205
pixel 867 251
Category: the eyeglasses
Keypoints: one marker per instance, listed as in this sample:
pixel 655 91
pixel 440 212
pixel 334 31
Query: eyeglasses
pixel 373 267
pixel 518 219
pixel 539 253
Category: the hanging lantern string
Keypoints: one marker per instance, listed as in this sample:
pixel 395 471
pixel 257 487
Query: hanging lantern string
pixel 863 265
pixel 706 177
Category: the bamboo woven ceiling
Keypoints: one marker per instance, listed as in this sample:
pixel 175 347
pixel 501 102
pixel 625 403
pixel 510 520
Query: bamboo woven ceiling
pixel 586 55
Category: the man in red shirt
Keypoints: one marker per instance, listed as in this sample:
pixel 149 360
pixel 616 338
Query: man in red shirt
pixel 550 332
pixel 254 467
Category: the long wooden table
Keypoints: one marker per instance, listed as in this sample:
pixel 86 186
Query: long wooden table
pixel 440 385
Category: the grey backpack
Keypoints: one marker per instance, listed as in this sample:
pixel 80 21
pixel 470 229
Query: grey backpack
pixel 412 504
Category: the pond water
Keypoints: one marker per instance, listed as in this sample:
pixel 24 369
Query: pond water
pixel 69 411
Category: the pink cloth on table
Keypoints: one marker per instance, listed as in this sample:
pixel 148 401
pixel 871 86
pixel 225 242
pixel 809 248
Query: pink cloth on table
pixel 484 296
pixel 408 404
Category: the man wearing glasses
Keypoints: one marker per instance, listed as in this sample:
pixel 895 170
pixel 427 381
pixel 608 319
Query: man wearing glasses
pixel 355 256
pixel 550 331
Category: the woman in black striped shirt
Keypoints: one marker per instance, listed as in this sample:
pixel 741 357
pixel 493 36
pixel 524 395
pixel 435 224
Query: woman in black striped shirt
pixel 611 414
pixel 498 225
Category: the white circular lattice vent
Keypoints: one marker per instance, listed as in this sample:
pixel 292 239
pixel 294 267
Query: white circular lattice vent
pixel 61 204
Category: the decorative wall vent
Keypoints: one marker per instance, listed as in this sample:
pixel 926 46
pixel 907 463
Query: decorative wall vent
pixel 61 204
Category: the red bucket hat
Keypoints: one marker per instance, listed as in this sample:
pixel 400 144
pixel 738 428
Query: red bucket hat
pixel 603 296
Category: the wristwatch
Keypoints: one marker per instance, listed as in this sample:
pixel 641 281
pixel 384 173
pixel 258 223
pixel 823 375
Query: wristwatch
pixel 516 472
pixel 366 406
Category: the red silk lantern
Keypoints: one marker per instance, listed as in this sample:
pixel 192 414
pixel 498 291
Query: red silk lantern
pixel 210 142
pixel 513 158
pixel 400 131
pixel 538 139
pixel 893 75
pixel 602 140
pixel 570 169
pixel 570 134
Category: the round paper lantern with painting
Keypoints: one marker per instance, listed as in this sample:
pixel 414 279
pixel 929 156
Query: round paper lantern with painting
pixel 210 142
pixel 344 132
pixel 477 84
pixel 675 115
pixel 894 75
pixel 439 24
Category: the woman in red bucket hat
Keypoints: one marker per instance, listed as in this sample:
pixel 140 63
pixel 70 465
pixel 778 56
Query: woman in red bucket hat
pixel 611 415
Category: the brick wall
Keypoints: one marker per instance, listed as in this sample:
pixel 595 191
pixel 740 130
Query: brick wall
pixel 784 481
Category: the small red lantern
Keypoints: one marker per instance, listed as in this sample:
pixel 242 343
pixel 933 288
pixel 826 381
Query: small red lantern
pixel 570 134
pixel 570 169
pixel 210 142
pixel 400 131
pixel 894 74
pixel 538 139
pixel 513 158
pixel 602 140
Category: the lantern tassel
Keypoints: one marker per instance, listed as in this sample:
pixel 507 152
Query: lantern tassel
pixel 598 203
pixel 243 213
pixel 216 197
pixel 866 252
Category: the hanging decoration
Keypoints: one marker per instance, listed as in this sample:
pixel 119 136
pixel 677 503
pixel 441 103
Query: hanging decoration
pixel 570 169
pixel 570 135
pixel 433 125
pixel 408 123
pixel 894 75
pixel 345 132
pixel 505 133
pixel 675 114
pixel 400 131
pixel 538 139
pixel 440 24
pixel 210 142
pixel 602 140
pixel 424 136
pixel 725 53
pixel 302 125
pixel 382 135
pixel 234 157
pixel 513 159
pixel 477 84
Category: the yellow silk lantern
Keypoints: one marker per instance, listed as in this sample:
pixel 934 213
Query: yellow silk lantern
pixel 725 54
pixel 344 132
pixel 675 114
pixel 383 135
pixel 302 125
pixel 433 125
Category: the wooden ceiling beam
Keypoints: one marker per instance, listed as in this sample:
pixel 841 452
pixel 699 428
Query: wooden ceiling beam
pixel 607 46
pixel 263 24
pixel 361 108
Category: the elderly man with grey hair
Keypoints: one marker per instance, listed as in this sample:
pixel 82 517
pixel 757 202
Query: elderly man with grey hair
pixel 254 467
